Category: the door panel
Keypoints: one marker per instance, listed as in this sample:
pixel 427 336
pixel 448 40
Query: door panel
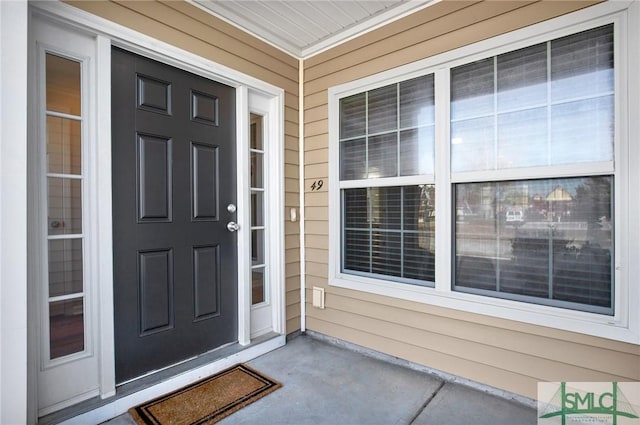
pixel 154 178
pixel 204 182
pixel 173 154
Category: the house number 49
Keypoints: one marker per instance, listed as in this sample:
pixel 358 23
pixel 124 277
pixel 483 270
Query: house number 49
pixel 317 185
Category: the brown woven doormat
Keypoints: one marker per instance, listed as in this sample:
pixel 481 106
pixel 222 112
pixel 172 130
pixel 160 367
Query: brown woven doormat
pixel 207 401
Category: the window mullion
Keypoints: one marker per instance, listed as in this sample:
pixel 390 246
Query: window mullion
pixel 398 129
pixel 495 113
pixel 401 231
pixel 366 135
pixel 370 222
pixel 549 103
pixel 496 152
pixel 443 188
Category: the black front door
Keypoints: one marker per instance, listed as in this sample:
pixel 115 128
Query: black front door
pixel 174 173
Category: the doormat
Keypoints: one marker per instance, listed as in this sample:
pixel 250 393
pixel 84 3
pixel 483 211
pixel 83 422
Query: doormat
pixel 207 401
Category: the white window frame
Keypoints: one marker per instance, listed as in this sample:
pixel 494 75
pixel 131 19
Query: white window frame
pixel 397 181
pixel 624 325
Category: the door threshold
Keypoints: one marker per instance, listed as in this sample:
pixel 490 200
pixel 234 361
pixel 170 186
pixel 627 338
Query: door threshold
pixel 97 410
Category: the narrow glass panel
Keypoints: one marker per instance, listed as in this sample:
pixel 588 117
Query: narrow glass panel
pixel 417 102
pixel 419 238
pixel 256 132
pixel 66 327
pixel 582 64
pixel 419 256
pixel 257 164
pixel 582 131
pixel 356 208
pixel 257 209
pixel 473 145
pixel 63 85
pixel 357 250
pixel 419 208
pixel 65 206
pixel 64 151
pixel 353 159
pixel 522 138
pixel 416 151
pixel 386 253
pixel 522 78
pixel 472 90
pixel 383 109
pixel 383 156
pixel 257 247
pixel 548 241
pixel 257 286
pixel 353 112
pixel 65 267
pixel 386 207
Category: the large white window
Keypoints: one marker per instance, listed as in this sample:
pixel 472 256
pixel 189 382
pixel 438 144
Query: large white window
pixel 522 141
pixel 547 240
pixel 387 138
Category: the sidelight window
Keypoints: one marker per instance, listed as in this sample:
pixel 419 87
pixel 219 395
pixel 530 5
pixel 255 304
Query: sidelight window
pixel 64 200
pixel 258 261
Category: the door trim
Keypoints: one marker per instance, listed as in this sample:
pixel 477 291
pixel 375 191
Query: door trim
pixel 111 34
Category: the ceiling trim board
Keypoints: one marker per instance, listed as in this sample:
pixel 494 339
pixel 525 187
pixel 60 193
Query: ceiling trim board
pixel 347 33
pixel 291 50
pixel 375 22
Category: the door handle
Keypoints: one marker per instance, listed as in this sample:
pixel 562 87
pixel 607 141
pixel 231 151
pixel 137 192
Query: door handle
pixel 232 226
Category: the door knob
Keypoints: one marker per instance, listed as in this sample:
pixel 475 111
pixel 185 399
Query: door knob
pixel 232 226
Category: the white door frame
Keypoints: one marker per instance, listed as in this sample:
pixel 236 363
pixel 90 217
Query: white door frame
pixel 110 34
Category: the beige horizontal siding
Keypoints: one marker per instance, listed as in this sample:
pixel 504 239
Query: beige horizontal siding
pixel 181 24
pixel 442 41
pixel 318 141
pixel 505 354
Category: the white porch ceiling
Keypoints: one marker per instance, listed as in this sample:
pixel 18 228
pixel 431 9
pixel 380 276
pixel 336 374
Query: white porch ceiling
pixel 303 28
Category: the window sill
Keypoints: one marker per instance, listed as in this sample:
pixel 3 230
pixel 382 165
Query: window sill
pixel 597 325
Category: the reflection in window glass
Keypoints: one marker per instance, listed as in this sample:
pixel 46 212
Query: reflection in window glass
pixel 63 146
pixel 388 131
pixel 65 206
pixel 390 231
pixel 353 119
pixel 256 132
pixel 536 106
pixel 353 159
pixel 63 85
pixel 545 241
pixel 257 286
pixel 66 327
pixel 257 209
pixel 65 267
pixel 383 156
pixel 257 163
pixel 416 151
pixel 258 266
pixel 382 108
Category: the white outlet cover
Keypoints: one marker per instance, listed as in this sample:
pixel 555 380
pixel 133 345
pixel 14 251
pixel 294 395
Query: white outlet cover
pixel 318 297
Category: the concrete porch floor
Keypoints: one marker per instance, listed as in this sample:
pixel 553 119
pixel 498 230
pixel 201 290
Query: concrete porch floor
pixel 326 383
